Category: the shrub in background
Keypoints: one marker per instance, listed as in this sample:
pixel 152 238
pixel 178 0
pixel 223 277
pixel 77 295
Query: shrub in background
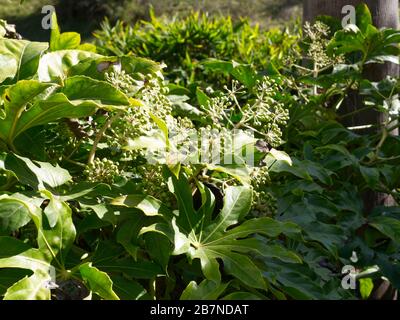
pixel 184 43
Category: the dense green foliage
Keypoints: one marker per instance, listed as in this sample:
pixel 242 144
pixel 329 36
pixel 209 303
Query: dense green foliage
pixel 84 16
pixel 92 186
pixel 184 44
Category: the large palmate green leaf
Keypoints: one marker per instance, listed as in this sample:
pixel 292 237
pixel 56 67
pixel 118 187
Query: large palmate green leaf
pixel 231 247
pixel 214 241
pixel 19 59
pixel 200 236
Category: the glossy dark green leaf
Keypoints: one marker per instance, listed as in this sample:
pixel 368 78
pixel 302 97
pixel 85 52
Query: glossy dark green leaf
pixel 132 268
pixel 331 236
pixel 111 257
pixel 127 289
pixel 11 247
pixel 388 226
pixel 159 249
pixel 371 176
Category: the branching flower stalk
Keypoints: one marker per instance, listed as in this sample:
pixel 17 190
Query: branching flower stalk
pixel 100 135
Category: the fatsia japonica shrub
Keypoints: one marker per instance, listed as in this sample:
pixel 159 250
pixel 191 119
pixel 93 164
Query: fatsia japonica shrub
pixel 183 44
pixel 84 213
pixel 118 184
